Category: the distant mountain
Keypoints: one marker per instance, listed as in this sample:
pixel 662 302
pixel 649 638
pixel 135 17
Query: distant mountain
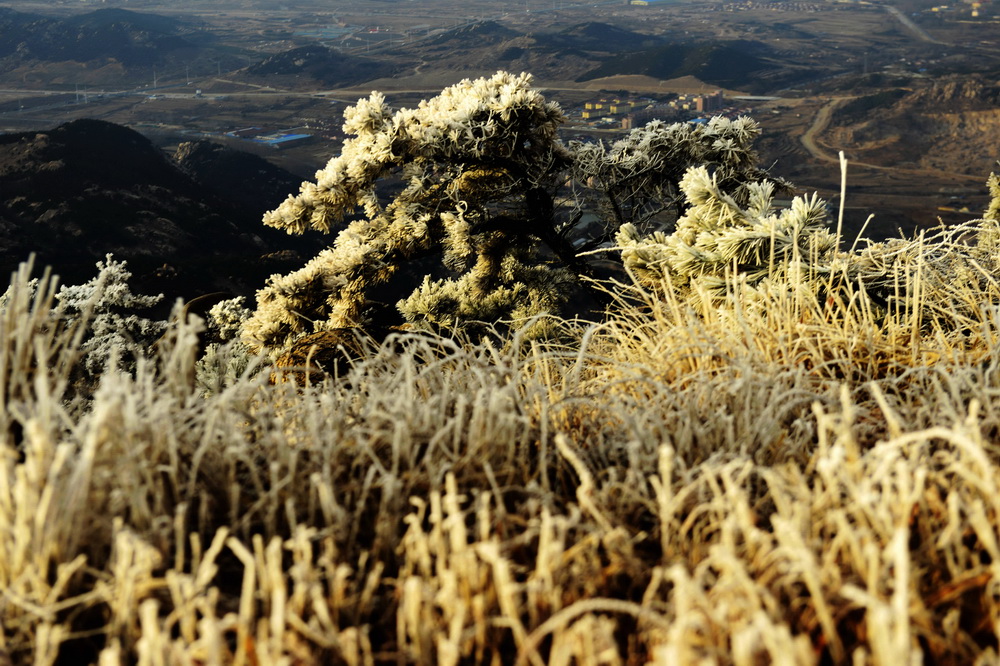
pixel 86 188
pixel 566 54
pixel 729 65
pixel 598 37
pixel 103 19
pixel 485 33
pixel 470 50
pixel 321 65
pixel 129 38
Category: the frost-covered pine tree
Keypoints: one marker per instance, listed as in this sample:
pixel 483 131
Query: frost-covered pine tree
pixel 476 180
pixel 475 164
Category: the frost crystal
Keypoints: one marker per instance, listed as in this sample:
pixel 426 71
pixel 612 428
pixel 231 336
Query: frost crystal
pixel 717 236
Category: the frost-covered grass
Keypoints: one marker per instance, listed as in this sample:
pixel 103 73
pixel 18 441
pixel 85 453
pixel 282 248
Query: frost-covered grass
pixel 787 479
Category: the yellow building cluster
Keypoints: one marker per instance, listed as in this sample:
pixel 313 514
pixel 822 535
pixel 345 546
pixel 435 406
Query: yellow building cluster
pixel 604 108
pixel 976 7
pixel 631 112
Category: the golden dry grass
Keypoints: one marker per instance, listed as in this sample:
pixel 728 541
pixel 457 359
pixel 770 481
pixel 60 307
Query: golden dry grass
pixel 790 480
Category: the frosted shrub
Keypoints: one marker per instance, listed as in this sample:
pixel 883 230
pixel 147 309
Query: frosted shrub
pixel 489 194
pixel 717 238
pixel 114 327
pixel 943 279
pixel 226 318
pixel 941 267
pixel 636 179
pixel 226 359
pixel 722 247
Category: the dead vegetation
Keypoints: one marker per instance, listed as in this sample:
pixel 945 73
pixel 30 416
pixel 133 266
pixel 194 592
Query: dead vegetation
pixel 792 479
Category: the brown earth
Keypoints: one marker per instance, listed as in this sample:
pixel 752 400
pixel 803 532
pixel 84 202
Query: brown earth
pixel 951 126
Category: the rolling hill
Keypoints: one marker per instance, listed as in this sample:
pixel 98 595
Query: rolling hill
pixel 320 65
pixel 129 38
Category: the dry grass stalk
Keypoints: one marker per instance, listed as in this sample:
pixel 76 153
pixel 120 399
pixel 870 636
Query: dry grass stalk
pixel 786 480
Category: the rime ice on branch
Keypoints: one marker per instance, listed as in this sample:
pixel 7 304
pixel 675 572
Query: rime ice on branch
pixel 638 177
pixel 721 247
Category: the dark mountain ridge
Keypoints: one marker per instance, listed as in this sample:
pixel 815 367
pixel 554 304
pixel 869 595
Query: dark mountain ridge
pixel 86 188
pixel 562 54
pixel 248 182
pixel 598 37
pixel 726 64
pixel 102 19
pixel 484 33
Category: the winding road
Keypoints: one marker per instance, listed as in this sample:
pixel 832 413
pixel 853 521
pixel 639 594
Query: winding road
pixel 820 122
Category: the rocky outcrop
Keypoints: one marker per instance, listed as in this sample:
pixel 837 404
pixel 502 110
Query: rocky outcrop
pixel 321 355
pixel 958 94
pixel 962 142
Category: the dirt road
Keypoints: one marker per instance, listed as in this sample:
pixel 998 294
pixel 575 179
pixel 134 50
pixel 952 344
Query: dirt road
pixel 820 123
